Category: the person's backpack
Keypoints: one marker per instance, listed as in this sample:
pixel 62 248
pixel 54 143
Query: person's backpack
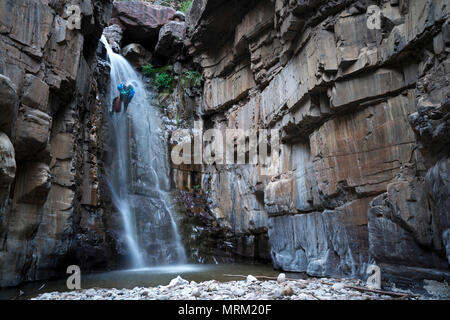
pixel 132 91
pixel 117 105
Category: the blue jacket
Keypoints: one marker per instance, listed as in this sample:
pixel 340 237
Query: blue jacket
pixel 126 90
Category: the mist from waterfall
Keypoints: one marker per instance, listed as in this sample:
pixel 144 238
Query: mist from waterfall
pixel 139 174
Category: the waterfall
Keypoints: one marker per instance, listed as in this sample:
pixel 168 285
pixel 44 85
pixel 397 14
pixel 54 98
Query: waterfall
pixel 139 174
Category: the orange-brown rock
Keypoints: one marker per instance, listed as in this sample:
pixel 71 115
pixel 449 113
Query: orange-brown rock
pixel 141 21
pixel 365 150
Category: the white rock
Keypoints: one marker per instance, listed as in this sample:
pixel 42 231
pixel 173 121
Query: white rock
pixel 213 287
pixel 303 296
pixel 286 291
pixel 281 278
pixel 244 289
pixel 238 292
pixel 178 281
pixel 338 286
pixel 196 292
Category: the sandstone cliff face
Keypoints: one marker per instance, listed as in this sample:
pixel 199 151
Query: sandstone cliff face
pixel 363 115
pixel 362 110
pixel 50 151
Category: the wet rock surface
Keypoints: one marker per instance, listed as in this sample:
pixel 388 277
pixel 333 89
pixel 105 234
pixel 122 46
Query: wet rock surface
pixel 180 289
pixel 114 34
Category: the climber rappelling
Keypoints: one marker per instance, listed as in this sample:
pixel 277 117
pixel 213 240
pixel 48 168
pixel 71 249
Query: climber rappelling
pixel 126 95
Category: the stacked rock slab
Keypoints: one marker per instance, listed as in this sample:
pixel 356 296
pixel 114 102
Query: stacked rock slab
pixel 48 138
pixel 147 26
pixel 358 183
pixel 141 21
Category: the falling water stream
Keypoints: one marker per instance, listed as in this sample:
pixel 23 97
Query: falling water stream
pixel 138 176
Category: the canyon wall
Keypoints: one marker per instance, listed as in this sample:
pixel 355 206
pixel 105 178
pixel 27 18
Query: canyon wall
pixel 359 91
pixel 50 139
pixel 360 95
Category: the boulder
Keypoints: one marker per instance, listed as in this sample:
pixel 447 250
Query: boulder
pixel 196 11
pixel 8 104
pixel 171 38
pixel 286 291
pixel 136 54
pixel 141 21
pixel 281 278
pixel 432 127
pixel 178 281
pixel 7 161
pixel 32 132
pixel 217 20
pixel 196 292
pixel 251 278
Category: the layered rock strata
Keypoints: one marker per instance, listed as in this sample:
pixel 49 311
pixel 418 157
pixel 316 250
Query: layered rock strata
pixel 359 93
pixel 50 139
pixel 357 89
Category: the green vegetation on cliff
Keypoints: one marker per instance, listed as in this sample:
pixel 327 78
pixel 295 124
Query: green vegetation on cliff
pixel 164 78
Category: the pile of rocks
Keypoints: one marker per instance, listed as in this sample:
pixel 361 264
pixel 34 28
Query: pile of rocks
pixel 144 24
pixel 249 289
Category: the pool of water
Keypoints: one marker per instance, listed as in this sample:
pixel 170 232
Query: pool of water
pixel 146 277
